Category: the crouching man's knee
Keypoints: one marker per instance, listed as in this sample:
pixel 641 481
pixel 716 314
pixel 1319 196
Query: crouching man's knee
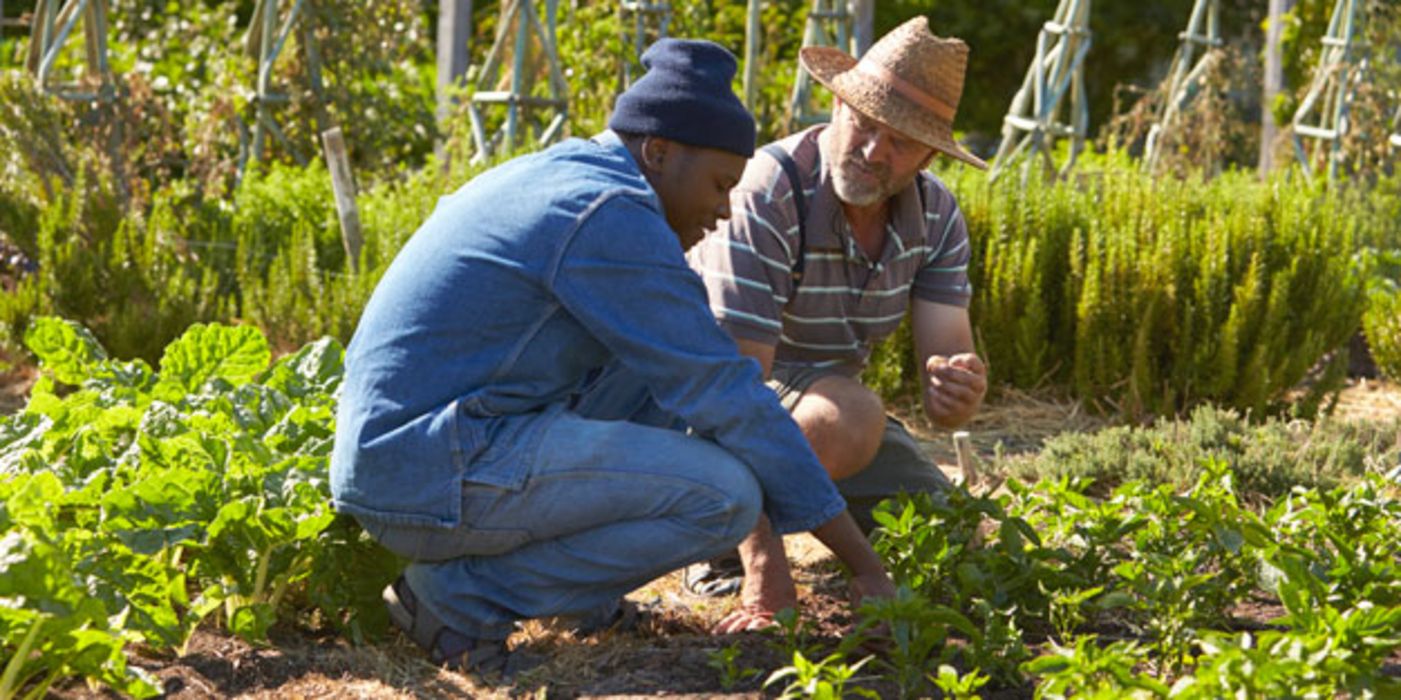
pixel 741 502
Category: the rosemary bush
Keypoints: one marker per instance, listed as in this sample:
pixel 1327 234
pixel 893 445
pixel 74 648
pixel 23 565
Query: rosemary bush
pixel 1267 458
pixel 1153 295
pixel 1383 327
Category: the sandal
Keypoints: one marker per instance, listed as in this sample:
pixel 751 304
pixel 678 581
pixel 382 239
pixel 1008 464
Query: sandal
pixel 715 578
pixel 446 646
pixel 626 616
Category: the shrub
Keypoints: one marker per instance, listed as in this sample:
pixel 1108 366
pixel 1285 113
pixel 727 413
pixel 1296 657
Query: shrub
pixel 1154 295
pixel 1151 296
pixel 1382 324
pixel 1382 321
pixel 1267 458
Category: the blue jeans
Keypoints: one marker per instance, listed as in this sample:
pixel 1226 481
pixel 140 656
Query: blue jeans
pixel 607 505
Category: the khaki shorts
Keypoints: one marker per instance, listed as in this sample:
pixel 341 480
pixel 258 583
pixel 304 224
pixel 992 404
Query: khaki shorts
pixel 899 465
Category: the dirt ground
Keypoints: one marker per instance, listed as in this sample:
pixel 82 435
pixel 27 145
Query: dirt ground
pixel 671 655
pixel 15 380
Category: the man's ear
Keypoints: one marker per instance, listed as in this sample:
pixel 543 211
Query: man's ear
pixel 654 152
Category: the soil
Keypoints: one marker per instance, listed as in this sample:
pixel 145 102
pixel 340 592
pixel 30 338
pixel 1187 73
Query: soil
pixel 670 654
pixel 15 380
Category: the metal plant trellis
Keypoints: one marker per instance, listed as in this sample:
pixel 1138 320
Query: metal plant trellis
pixel 1323 115
pixel 829 23
pixel 520 27
pixel 266 38
pixel 1191 61
pixel 650 21
pixel 52 22
pixel 1057 72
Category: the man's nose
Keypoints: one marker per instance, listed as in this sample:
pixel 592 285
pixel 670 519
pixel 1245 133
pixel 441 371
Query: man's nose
pixel 722 212
pixel 876 149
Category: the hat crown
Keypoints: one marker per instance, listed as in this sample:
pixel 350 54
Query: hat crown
pixel 910 80
pixel 686 96
pixel 931 64
pixel 701 60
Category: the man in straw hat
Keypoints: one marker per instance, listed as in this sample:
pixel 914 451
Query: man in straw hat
pixel 837 232
pixel 508 418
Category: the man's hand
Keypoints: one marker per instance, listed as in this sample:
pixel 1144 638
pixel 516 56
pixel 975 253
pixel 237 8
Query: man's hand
pixel 866 587
pixel 768 582
pixel 868 576
pixel 872 585
pixel 954 389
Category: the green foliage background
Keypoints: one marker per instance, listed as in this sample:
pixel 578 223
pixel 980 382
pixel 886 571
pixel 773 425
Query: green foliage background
pixel 135 492
pixel 1148 295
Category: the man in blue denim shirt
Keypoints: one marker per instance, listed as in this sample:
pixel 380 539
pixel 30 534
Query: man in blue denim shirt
pixel 508 420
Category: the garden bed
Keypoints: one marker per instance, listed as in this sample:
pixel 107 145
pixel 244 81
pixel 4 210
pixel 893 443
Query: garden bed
pixel 300 656
pixel 671 657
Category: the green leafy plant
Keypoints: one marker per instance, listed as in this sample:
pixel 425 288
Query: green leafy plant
pixel 1089 670
pixel 139 502
pixel 725 662
pixel 916 633
pixel 791 631
pixel 827 679
pixel 958 686
pixel 1067 610
pixel 1347 535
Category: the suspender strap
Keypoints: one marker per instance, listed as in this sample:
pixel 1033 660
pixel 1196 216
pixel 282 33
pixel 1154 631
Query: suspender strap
pixel 795 183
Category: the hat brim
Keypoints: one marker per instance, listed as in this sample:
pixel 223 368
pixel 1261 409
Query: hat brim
pixel 829 65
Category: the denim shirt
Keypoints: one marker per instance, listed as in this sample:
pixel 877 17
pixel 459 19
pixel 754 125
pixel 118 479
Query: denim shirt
pixel 519 288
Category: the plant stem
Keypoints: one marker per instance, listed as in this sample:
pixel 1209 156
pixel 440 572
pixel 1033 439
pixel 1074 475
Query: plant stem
pixel 8 682
pixel 260 581
pixel 42 689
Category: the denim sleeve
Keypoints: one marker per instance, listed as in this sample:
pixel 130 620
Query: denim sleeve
pixel 622 275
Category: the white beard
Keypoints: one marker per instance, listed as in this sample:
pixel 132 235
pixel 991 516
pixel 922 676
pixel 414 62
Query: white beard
pixel 857 192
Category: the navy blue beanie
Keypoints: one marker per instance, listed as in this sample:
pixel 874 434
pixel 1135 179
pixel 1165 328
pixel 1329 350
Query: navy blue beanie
pixel 686 96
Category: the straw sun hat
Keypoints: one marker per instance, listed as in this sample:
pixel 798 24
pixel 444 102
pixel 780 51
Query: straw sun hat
pixel 910 80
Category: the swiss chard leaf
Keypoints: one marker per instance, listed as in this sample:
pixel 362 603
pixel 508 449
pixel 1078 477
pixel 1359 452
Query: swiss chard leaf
pixel 234 354
pixel 65 348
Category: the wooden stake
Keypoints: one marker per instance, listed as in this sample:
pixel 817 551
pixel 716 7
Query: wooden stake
pixel 343 184
pixel 1274 83
pixel 752 29
pixel 454 33
pixel 963 447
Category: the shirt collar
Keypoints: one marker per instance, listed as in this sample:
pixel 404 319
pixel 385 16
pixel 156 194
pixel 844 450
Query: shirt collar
pixel 609 138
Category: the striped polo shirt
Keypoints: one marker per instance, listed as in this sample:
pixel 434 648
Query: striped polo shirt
pixel 846 302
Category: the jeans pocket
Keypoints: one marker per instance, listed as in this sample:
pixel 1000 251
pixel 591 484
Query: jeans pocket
pixel 426 544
